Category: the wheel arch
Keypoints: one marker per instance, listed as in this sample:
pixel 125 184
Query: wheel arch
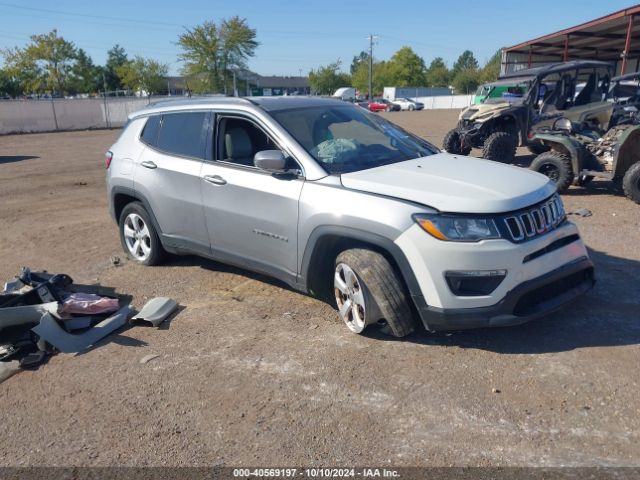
pixel 566 147
pixel 628 152
pixel 326 242
pixel 122 196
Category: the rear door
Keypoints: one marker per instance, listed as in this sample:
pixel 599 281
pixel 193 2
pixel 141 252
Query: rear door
pixel 251 215
pixel 167 174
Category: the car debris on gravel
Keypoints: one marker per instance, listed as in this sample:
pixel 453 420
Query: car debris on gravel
pixel 43 313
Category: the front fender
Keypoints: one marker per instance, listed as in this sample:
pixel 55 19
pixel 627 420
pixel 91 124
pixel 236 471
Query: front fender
pixel 565 145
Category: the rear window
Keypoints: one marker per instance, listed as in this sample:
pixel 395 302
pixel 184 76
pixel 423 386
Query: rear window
pixel 183 134
pixel 150 132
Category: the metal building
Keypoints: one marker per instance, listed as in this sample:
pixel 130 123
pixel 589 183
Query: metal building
pixel 614 38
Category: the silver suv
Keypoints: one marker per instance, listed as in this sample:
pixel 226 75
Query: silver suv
pixel 342 204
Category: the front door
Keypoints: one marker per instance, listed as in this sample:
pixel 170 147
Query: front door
pixel 251 215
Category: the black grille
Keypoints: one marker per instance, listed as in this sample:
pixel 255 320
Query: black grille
pixel 535 221
pixel 532 301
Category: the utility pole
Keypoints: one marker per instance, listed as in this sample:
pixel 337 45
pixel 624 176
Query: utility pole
pixel 371 38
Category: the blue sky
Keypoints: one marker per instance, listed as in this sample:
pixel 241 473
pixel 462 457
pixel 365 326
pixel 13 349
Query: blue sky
pixel 297 36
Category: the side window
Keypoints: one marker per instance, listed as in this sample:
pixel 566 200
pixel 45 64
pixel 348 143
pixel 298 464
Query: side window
pixel 183 134
pixel 150 131
pixel 239 140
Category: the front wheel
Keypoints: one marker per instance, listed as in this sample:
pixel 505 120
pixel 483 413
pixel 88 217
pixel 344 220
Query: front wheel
pixel 452 143
pixel 368 291
pixel 631 182
pixel 411 108
pixel 500 147
pixel 556 166
pixel 138 236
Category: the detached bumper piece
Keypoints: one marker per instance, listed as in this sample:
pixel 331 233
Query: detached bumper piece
pixel 528 301
pixel 41 314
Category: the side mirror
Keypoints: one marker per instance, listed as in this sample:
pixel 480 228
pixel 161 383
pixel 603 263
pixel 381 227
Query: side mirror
pixel 272 161
pixel 563 124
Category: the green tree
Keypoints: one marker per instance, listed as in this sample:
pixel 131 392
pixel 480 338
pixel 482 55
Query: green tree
pixel 212 51
pixel 144 75
pixel 9 86
pixel 466 81
pixel 85 76
pixel 45 64
pixel 437 74
pixel 327 79
pixel 466 61
pixel 491 70
pixel 358 60
pixel 116 58
pixel 405 69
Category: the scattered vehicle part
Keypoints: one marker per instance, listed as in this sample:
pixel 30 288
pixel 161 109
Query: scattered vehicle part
pixel 582 212
pixel 52 332
pixel 579 154
pixel 455 232
pixel 155 311
pixel 8 368
pixel 148 358
pixel 88 304
pixel 7 350
pixel 575 90
pixel 26 314
pixel 33 360
pixel 77 323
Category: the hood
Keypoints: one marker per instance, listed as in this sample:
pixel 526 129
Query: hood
pixel 480 109
pixel 454 183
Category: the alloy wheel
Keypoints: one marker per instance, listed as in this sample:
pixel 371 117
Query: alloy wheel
pixel 350 298
pixel 137 237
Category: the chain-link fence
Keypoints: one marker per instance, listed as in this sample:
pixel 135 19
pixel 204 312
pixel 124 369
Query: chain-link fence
pixel 49 115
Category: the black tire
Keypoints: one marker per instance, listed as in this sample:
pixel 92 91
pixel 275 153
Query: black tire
pixel 157 253
pixel 556 166
pixel 538 147
pixel 452 143
pixel 383 288
pixel 631 182
pixel 500 147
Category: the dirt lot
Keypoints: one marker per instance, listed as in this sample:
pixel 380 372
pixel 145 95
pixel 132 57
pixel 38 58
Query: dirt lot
pixel 252 373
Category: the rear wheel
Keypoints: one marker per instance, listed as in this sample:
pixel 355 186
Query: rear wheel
pixel 138 236
pixel 452 143
pixel 368 291
pixel 500 147
pixel 631 182
pixel 556 166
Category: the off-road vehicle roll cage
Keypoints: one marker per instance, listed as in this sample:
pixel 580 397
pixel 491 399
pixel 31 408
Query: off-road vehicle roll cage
pixel 575 90
pixel 624 93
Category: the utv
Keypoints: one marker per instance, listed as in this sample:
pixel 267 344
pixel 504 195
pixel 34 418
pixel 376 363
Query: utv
pixel 624 93
pixel 579 153
pixel 535 98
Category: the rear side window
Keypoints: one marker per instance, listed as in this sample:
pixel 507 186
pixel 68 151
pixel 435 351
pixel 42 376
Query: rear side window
pixel 182 134
pixel 150 132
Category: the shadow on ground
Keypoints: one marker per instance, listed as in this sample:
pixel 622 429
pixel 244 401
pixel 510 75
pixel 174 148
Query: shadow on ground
pixel 16 158
pixel 597 319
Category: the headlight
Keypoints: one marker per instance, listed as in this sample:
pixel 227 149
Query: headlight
pixel 458 229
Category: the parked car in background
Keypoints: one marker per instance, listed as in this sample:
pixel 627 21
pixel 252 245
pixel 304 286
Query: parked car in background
pixel 347 206
pixel 382 105
pixel 408 104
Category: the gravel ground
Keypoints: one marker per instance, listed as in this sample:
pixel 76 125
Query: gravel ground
pixel 252 373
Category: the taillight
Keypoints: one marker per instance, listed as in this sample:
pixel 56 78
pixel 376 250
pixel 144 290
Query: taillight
pixel 107 159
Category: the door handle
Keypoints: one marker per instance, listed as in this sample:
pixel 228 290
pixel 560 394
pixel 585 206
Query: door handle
pixel 149 164
pixel 215 179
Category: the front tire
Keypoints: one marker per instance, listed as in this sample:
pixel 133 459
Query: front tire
pixel 556 166
pixel 368 290
pixel 452 143
pixel 631 182
pixel 138 237
pixel 500 147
